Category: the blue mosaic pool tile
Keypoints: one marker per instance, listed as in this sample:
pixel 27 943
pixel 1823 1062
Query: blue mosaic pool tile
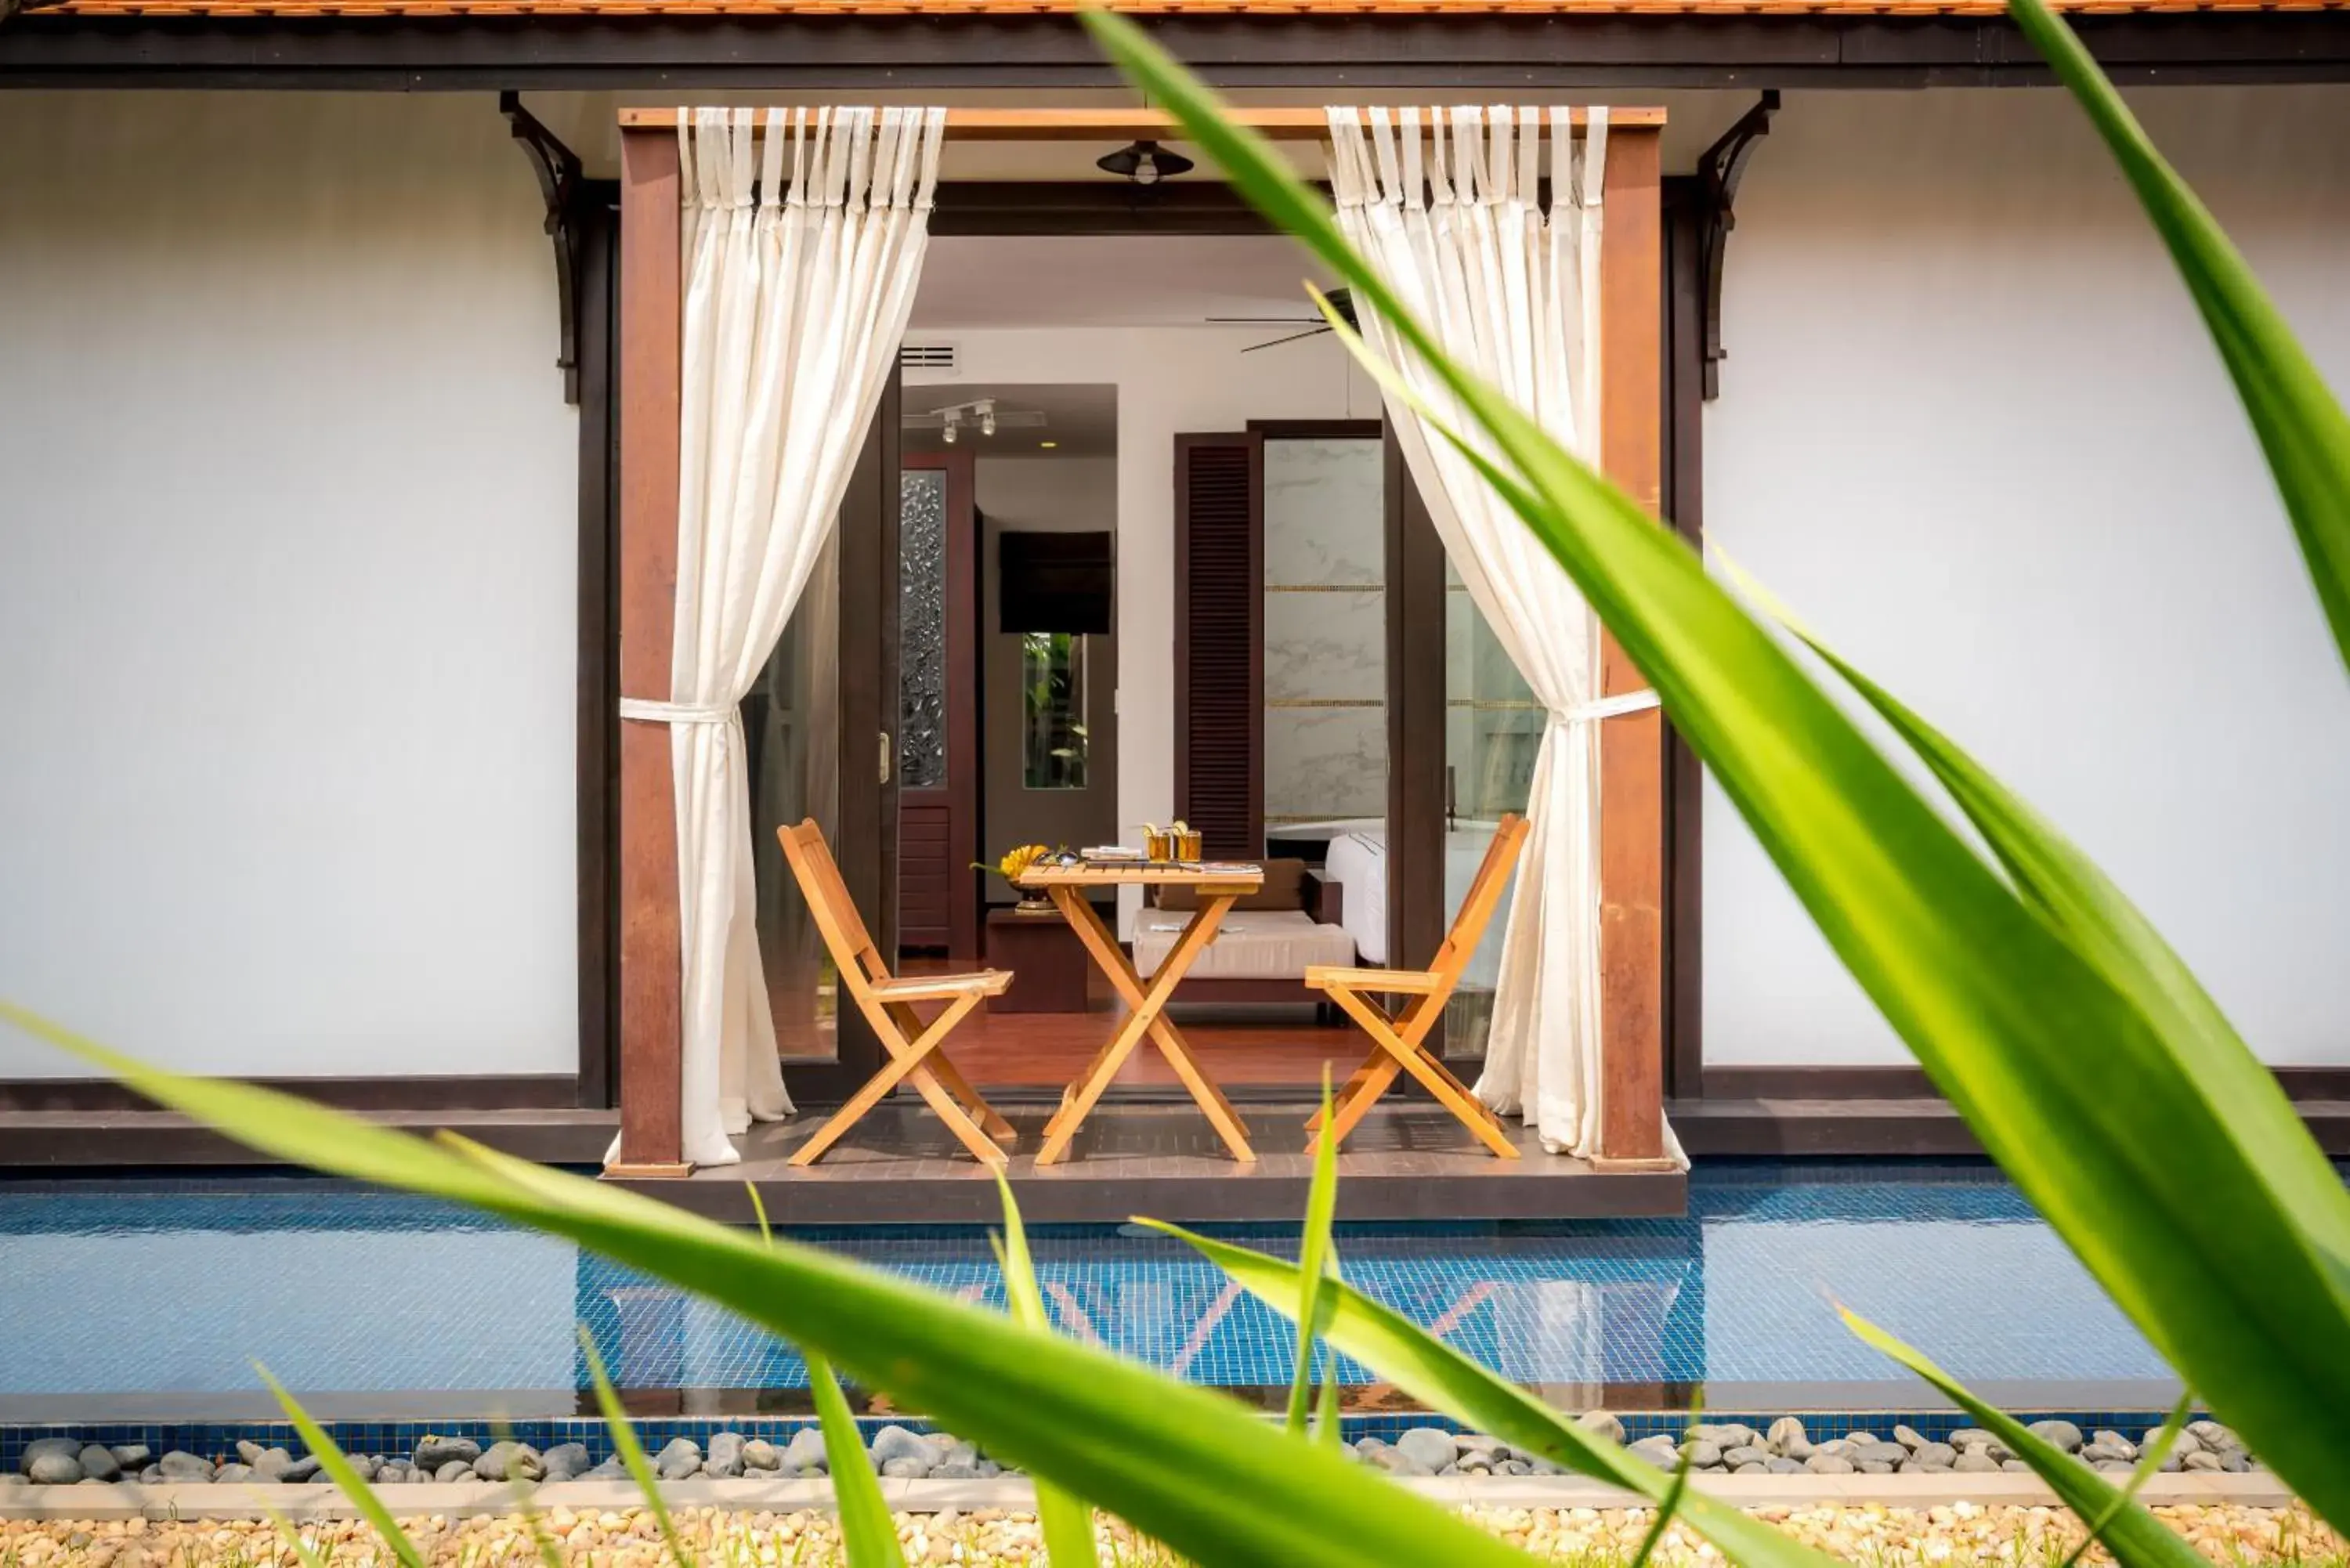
pixel 352 1292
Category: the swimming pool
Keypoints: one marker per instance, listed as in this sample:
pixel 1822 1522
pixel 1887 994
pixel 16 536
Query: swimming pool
pixel 155 1298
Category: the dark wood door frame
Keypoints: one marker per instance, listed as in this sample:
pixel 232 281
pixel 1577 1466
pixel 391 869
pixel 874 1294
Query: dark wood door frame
pixel 966 765
pixel 597 710
pixel 1634 961
pixel 1416 741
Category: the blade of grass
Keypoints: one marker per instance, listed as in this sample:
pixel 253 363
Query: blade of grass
pixel 631 1452
pixel 2156 1189
pixel 1431 1371
pixel 2301 427
pixel 866 1530
pixel 340 1469
pixel 868 1533
pixel 1065 1521
pixel 2135 1537
pixel 1674 1494
pixel 1191 1467
pixel 302 1550
pixel 1313 1260
pixel 2148 1463
pixel 550 1555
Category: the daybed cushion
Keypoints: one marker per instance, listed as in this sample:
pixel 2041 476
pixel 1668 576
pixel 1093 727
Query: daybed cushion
pixel 1270 944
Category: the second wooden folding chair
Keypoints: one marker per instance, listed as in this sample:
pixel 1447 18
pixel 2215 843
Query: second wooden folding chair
pixel 915 1048
pixel 1399 1038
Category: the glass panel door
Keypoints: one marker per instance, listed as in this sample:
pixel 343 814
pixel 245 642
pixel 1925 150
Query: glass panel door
pixel 1493 728
pixel 791 727
pixel 1325 676
pixel 817 727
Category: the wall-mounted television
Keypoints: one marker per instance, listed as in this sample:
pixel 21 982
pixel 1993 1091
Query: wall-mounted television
pixel 1055 582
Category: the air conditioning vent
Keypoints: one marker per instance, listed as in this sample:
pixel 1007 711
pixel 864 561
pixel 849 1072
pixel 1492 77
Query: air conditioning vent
pixel 933 358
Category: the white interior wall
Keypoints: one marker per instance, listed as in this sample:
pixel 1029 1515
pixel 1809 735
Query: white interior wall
pixel 1171 382
pixel 287 513
pixel 1971 429
pixel 1045 496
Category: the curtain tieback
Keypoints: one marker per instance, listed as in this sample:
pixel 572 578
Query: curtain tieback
pixel 1614 707
pixel 654 712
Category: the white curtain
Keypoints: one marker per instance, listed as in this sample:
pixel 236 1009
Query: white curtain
pixel 797 293
pixel 1449 211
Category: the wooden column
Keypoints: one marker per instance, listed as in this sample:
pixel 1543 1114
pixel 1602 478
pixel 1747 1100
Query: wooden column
pixel 652 981
pixel 1631 748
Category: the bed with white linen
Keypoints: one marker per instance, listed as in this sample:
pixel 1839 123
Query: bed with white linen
pixel 1358 863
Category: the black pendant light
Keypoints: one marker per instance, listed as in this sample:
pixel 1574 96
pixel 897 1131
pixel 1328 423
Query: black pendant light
pixel 1144 163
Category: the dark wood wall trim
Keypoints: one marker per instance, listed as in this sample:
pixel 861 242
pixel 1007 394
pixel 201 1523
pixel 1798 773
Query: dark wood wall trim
pixel 597 718
pixel 534 1091
pixel 1892 1112
pixel 1903 1081
pixel 849 53
pixel 1683 504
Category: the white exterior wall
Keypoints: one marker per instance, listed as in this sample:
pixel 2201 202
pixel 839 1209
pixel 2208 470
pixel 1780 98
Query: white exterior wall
pixel 1171 382
pixel 1972 429
pixel 288 563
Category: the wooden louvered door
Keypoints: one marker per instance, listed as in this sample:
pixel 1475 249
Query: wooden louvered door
pixel 1220 642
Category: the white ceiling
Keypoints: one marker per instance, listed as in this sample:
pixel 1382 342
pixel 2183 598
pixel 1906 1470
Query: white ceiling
pixel 1127 281
pixel 1080 421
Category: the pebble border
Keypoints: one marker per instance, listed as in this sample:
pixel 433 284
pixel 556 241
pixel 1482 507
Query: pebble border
pixel 1406 1447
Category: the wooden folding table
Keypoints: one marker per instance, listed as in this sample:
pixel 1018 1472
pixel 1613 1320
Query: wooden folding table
pixel 1216 891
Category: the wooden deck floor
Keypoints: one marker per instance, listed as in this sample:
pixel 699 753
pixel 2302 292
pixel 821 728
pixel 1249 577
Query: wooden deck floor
pixel 1406 1162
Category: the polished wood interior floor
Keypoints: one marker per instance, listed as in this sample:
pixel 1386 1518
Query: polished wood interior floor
pixel 1253 1046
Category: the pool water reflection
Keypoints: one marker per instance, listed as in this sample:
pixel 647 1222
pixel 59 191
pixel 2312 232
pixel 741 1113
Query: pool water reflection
pixel 177 1287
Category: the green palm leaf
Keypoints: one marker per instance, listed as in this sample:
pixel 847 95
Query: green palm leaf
pixel 2060 1074
pixel 1193 1468
pixel 2301 427
pixel 338 1470
pixel 1432 1372
pixel 2135 1537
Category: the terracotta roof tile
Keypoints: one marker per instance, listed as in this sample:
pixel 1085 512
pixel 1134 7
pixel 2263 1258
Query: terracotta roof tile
pixel 365 9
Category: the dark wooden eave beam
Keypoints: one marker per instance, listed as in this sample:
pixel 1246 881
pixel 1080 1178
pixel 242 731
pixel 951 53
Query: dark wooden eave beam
pixel 564 187
pixel 1356 54
pixel 1720 168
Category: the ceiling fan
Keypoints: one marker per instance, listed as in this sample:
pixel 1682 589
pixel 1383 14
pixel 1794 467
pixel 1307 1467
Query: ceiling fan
pixel 985 414
pixel 1341 300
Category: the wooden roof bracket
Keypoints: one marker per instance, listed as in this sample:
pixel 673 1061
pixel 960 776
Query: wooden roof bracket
pixel 562 186
pixel 1719 170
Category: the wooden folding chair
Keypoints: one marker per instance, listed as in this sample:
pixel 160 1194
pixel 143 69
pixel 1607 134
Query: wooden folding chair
pixel 1399 1037
pixel 916 1049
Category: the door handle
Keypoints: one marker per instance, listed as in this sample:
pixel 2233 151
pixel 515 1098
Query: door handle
pixel 883 775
